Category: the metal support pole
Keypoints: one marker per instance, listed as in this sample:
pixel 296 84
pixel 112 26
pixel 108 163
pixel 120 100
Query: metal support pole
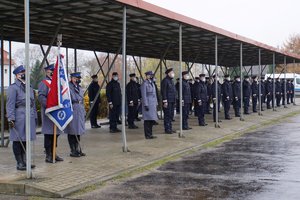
pixel 216 83
pixel 260 83
pixel 294 98
pixel 108 65
pixel 125 148
pixel 9 71
pixel 75 60
pixel 27 89
pixel 273 69
pixel 285 82
pixel 2 88
pixel 160 102
pixel 241 74
pixel 180 80
pixel 67 61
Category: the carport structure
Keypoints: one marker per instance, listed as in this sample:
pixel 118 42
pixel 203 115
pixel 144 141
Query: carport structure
pixel 138 29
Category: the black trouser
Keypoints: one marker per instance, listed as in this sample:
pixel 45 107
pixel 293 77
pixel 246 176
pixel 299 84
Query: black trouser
pixel 196 105
pixel 114 113
pixel 185 115
pixel 254 103
pixel 283 99
pixel 227 104
pixel 269 99
pixel 201 113
pixel 288 97
pixel 246 104
pixel 168 116
pixel 236 107
pixel 207 108
pixel 48 141
pixel 93 115
pixel 278 98
pixel 18 150
pixel 292 97
pixel 132 112
pixel 263 100
pixel 148 124
pixel 177 106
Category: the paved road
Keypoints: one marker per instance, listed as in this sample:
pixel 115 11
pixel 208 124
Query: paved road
pixel 260 165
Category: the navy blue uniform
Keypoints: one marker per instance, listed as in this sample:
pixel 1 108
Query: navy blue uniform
pixel 292 90
pixel 236 88
pixel 246 95
pixel 282 92
pixel 278 93
pixel 213 94
pixel 133 99
pixel 209 96
pixel 92 92
pixel 254 91
pixel 288 89
pixel 263 94
pixel 200 92
pixel 168 93
pixel 269 94
pixel 114 98
pixel 227 97
pixel 187 100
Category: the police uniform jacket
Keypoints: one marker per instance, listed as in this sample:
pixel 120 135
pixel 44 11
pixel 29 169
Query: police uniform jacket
pixel 168 90
pixel 149 99
pixel 278 88
pixel 113 93
pixel 246 89
pixel 200 91
pixel 186 92
pixel 213 90
pixel 236 88
pixel 15 109
pixel 92 92
pixel 254 88
pixel 132 92
pixel 77 125
pixel 227 90
pixel 269 87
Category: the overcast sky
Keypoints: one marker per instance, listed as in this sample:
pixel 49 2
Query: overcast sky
pixel 267 21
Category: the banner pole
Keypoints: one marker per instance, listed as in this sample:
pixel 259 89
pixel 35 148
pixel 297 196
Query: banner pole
pixel 54 143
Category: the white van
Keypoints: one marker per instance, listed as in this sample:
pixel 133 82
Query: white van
pixel 294 76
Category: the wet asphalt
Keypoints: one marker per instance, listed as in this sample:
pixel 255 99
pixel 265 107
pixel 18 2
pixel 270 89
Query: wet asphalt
pixel 264 164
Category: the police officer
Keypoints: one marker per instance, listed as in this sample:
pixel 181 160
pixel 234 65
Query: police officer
pixel 196 105
pixel 149 105
pixel 201 98
pixel 47 124
pixel 191 83
pixel 208 81
pixel 168 92
pixel 288 89
pixel 76 127
pixel 177 96
pixel 227 95
pixel 278 92
pixel 246 94
pixel 15 109
pixel 254 91
pixel 292 90
pixel 269 92
pixel 236 89
pixel 186 100
pixel 213 93
pixel 114 98
pixel 133 100
pixel 93 89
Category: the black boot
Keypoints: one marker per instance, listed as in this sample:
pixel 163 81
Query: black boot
pixel 79 150
pixel 20 164
pixel 24 160
pixel 74 152
pixel 49 158
pixel 58 159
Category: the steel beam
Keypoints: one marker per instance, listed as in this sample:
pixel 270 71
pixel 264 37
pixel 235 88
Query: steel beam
pixel 136 64
pixel 75 60
pixel 180 80
pixel 273 70
pixel 241 83
pixel 9 71
pixel 2 87
pixel 285 82
pixel 260 83
pixel 44 54
pixel 294 100
pixel 216 83
pixel 67 61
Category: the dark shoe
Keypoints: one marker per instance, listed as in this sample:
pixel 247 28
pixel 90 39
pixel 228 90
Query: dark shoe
pixel 203 124
pixel 188 128
pixel 58 159
pixel 255 111
pixel 75 154
pixel 115 130
pixel 24 161
pixel 133 127
pixel 155 123
pixel 151 137
pixel 137 119
pixel 20 164
pixel 168 132
pixel 247 113
pixel 228 118
pixel 119 122
pixel 173 120
pixel 48 159
pixel 96 126
pixel 237 115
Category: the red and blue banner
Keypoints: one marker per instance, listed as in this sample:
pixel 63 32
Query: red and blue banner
pixel 59 106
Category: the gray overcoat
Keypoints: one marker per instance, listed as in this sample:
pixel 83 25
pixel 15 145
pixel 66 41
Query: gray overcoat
pixel 77 125
pixel 149 99
pixel 15 109
pixel 47 124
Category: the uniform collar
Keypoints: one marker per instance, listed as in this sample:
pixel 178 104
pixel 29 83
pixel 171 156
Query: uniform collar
pixel 18 82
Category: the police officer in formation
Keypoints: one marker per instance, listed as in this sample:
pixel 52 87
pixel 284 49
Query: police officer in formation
pixel 236 89
pixel 168 92
pixel 76 127
pixel 114 98
pixel 269 92
pixel 209 86
pixel 278 91
pixel 47 124
pixel 246 94
pixel 93 90
pixel 133 100
pixel 289 91
pixel 254 91
pixel 292 89
pixel 263 92
pixel 16 114
pixel 214 97
pixel 200 92
pixel 149 105
pixel 227 95
pixel 196 104
pixel 186 100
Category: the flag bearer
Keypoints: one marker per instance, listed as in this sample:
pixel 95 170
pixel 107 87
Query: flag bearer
pixel 16 115
pixel 76 127
pixel 47 124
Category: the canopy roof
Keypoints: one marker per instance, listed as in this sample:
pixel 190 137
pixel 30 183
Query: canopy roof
pixel 151 31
